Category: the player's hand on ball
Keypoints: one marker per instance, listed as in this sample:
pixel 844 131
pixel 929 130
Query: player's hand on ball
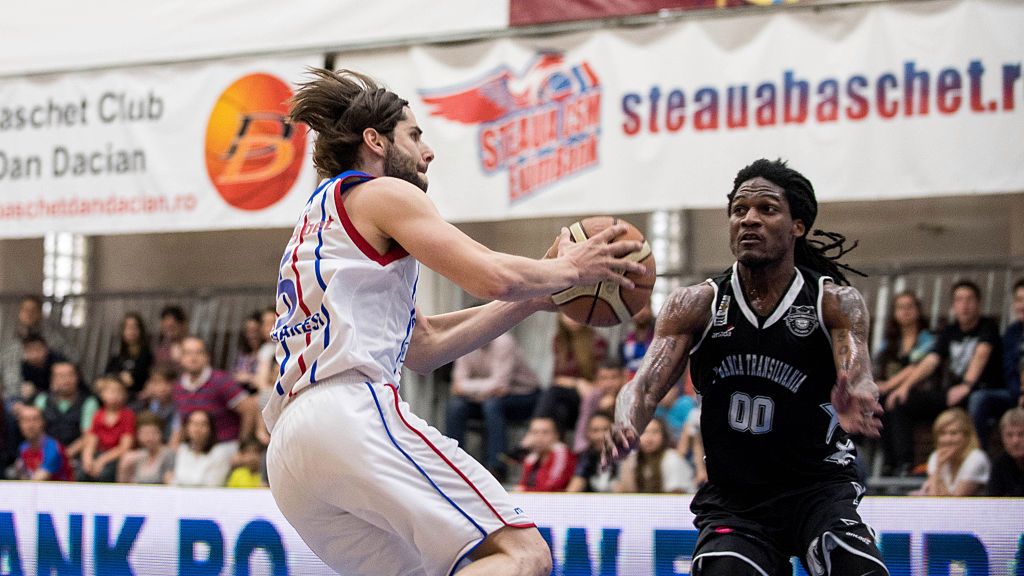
pixel 858 408
pixel 618 443
pixel 600 259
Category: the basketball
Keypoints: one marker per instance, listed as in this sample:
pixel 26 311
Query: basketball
pixel 607 303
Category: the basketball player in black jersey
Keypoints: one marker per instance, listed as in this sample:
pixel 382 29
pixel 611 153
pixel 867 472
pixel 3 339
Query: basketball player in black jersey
pixel 778 350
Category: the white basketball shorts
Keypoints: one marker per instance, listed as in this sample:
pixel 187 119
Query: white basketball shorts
pixel 374 490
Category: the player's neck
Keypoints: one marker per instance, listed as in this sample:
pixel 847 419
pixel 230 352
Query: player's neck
pixel 763 286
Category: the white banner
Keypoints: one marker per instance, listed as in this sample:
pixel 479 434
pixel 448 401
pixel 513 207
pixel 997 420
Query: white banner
pixel 184 147
pixel 879 101
pixel 115 530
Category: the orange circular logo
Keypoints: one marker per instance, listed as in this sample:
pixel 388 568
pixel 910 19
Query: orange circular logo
pixel 253 154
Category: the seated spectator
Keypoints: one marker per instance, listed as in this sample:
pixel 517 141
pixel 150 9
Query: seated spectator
pixel 153 462
pixel 157 398
pixel 111 434
pixel 634 346
pixel 957 467
pixel 200 460
pixel 173 328
pixel 37 362
pixel 200 387
pixel 549 463
pixel 1013 347
pixel 67 411
pixel 250 340
pixel 133 359
pixel 589 476
pixel 40 457
pixel 971 350
pixel 266 360
pixel 1008 470
pixel 29 321
pixel 578 351
pixel 609 379
pixel 248 470
pixel 655 468
pixel 495 383
pixel 8 441
pixel 691 445
pixel 675 407
pixel 908 403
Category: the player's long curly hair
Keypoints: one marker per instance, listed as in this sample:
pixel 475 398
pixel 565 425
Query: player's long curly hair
pixel 819 255
pixel 339 106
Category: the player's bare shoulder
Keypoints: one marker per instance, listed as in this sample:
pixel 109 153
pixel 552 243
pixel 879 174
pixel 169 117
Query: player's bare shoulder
pixel 843 306
pixel 687 310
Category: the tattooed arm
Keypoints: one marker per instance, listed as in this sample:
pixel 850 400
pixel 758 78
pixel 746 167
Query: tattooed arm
pixel 682 321
pixel 855 395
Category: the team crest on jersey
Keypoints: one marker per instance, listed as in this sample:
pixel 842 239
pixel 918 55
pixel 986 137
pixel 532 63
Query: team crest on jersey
pixel 722 315
pixel 801 320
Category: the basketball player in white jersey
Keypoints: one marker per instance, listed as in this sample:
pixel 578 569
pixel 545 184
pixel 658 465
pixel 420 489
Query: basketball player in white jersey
pixel 369 486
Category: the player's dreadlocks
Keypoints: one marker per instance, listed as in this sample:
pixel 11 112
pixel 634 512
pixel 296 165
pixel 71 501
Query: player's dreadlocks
pixel 811 253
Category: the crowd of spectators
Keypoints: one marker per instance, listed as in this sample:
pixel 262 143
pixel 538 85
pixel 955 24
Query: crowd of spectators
pixel 161 413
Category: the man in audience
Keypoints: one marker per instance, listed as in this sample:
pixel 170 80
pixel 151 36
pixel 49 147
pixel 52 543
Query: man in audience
pixel 549 464
pixel 37 361
pixel 30 321
pixel 232 409
pixel 1013 346
pixel 971 350
pixel 634 346
pixel 67 411
pixel 173 328
pixel 1007 477
pixel 41 457
pixel 589 475
pixel 494 382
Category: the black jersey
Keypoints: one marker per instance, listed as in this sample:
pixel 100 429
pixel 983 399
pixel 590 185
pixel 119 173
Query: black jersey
pixel 767 420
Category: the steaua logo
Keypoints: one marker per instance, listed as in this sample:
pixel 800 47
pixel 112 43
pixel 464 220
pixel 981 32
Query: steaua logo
pixel 253 154
pixel 541 125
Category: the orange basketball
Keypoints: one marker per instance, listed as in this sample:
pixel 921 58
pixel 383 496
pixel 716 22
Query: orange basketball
pixel 607 303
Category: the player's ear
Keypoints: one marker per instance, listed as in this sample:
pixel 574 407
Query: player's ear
pixel 798 228
pixel 374 141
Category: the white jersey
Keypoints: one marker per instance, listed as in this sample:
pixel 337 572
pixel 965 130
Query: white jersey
pixel 343 309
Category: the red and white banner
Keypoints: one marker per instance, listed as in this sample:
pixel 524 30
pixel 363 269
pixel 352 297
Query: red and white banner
pixel 182 147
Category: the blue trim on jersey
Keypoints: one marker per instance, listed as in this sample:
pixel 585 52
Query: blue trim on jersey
pixel 404 348
pixel 320 280
pixel 320 189
pixel 464 556
pixel 409 458
pixel 284 364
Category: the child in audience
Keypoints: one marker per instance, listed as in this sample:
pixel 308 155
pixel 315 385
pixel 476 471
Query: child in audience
pixel 589 476
pixel 153 462
pixel 111 434
pixel 549 465
pixel 248 471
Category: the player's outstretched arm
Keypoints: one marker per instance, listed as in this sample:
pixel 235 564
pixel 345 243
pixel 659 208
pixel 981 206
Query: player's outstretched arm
pixel 680 324
pixel 855 395
pixel 393 209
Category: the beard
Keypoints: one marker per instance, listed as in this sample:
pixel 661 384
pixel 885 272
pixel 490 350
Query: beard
pixel 396 165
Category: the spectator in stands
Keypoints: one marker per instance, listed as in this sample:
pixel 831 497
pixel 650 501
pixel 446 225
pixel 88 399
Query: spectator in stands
pixel 173 328
pixel 655 467
pixel 589 476
pixel 907 341
pixel 200 460
pixel 610 378
pixel 8 442
pixel 691 445
pixel 248 469
pixel 157 398
pixel 549 464
pixel 112 432
pixel 250 340
pixel 957 467
pixel 30 321
pixel 634 347
pixel 675 406
pixel 153 462
pixel 233 410
pixel 578 351
pixel 1008 470
pixel 37 360
pixel 133 359
pixel 266 362
pixel 67 411
pixel 495 383
pixel 971 350
pixel 40 457
pixel 1013 346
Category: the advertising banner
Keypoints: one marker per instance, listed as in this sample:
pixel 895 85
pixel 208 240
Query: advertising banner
pixel 112 530
pixel 870 101
pixel 183 147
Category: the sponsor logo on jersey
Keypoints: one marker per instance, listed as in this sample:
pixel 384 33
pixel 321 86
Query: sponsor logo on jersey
pixel 723 333
pixel 722 315
pixel 541 125
pixel 801 320
pixel 307 326
pixel 758 366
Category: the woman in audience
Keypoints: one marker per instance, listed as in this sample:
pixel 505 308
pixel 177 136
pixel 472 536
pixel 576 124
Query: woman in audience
pixel 578 351
pixel 200 460
pixel 250 340
pixel 112 432
pixel 957 467
pixel 907 341
pixel 589 476
pixel 134 358
pixel 153 462
pixel 655 468
pixel 1008 470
